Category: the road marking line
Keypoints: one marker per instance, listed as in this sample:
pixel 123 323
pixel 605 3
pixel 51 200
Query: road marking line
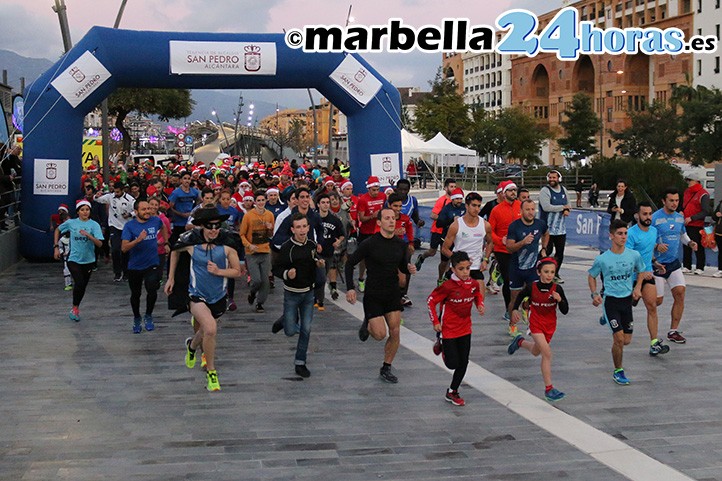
pixel 606 449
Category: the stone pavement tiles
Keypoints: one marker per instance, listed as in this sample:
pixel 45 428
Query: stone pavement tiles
pixel 91 400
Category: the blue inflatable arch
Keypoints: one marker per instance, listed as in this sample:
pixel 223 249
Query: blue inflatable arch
pixel 54 126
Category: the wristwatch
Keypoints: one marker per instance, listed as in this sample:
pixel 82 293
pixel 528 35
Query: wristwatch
pixel 594 294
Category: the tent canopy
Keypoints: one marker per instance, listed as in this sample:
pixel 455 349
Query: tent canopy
pixel 411 143
pixel 441 145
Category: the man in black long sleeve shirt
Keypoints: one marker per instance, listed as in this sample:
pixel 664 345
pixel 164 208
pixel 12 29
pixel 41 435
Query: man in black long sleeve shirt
pixel 385 254
pixel 296 264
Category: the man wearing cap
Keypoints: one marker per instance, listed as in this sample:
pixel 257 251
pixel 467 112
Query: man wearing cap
pixel 212 261
pixel 554 208
pixel 501 217
pixel 181 202
pixel 695 207
pixel 327 187
pixel 436 231
pixel 120 211
pixel 140 242
pixel 369 204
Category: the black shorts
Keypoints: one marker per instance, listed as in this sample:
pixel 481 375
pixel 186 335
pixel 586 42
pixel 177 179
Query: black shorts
pixel 376 305
pixel 217 308
pixel 650 282
pixel 436 240
pixel 618 313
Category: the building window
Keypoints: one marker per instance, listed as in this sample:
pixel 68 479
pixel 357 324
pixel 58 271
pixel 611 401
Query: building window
pixel 699 68
pixel 609 114
pixel 716 65
pixel 716 31
pixel 716 5
pixel 699 6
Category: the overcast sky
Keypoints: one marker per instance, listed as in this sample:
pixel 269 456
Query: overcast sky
pixel 30 27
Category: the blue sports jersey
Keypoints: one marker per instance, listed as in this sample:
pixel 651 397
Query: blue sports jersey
pixel 235 217
pixel 145 253
pixel 276 209
pixel 644 243
pixel 670 228
pixel 182 202
pixel 209 287
pixel 82 249
pixel 410 206
pixel 619 270
pixel 526 257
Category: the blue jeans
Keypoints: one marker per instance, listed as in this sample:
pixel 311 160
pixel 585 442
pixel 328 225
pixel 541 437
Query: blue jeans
pixel 297 317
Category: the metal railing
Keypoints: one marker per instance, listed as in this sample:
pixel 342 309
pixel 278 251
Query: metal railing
pixel 10 207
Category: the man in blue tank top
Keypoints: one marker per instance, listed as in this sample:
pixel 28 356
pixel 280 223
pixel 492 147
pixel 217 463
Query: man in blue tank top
pixel 212 263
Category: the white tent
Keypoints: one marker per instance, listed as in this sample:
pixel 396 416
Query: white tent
pixel 411 143
pixel 441 145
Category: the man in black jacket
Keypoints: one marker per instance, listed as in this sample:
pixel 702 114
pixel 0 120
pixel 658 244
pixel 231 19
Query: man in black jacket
pixel 296 264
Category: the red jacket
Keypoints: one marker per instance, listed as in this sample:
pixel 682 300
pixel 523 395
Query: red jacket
pixel 456 297
pixel 368 205
pixel 692 203
pixel 500 218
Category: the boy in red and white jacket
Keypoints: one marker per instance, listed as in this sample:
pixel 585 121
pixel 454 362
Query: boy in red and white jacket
pixel 456 297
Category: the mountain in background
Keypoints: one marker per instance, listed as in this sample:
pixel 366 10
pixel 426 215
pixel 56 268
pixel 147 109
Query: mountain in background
pixel 224 102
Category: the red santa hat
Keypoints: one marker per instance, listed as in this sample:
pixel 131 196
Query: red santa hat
pixel 63 207
pixel 328 180
pixel 273 190
pixel 457 193
pixel 248 195
pixel 390 190
pixel 346 183
pixel 80 203
pixel 509 185
pixel 373 181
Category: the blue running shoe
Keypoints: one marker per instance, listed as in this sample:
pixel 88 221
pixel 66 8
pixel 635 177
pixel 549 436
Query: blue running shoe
pixel 554 395
pixel 136 325
pixel 514 345
pixel 602 321
pixel 620 378
pixel 74 314
pixel 149 326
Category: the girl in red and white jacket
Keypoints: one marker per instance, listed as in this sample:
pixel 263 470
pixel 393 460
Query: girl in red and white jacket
pixel 543 298
pixel 456 297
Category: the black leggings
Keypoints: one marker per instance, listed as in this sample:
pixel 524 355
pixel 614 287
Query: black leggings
pixel 695 235
pixel 503 259
pixel 151 276
pixel 456 357
pixel 555 247
pixel 81 276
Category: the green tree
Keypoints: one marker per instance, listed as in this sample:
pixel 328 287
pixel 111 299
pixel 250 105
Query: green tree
pixel 443 110
pixel 700 123
pixel 523 135
pixel 165 103
pixel 581 125
pixel 653 133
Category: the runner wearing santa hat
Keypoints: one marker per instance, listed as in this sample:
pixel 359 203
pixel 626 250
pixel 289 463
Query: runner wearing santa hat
pixel 501 217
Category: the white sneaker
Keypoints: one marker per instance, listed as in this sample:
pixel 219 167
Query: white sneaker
pixel 717 274
pixel 698 272
pixel 686 271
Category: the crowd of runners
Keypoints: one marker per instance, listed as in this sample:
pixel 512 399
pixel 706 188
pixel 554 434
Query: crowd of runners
pixel 203 234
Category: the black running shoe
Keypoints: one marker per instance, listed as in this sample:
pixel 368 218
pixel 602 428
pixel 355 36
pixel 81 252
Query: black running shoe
pixel 363 332
pixel 277 326
pixel 303 371
pixel 387 375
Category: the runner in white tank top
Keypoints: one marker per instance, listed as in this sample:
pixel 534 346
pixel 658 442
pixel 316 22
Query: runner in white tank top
pixel 471 241
pixel 475 241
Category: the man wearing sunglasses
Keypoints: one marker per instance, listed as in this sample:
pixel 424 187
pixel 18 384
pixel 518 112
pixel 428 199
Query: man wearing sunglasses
pixel 213 260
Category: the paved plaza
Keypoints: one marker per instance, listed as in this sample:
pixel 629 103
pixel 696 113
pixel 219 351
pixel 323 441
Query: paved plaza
pixel 92 401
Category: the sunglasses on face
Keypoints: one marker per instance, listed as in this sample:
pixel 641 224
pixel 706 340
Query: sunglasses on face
pixel 213 225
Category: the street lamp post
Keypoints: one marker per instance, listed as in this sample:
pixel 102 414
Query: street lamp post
pixel 220 126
